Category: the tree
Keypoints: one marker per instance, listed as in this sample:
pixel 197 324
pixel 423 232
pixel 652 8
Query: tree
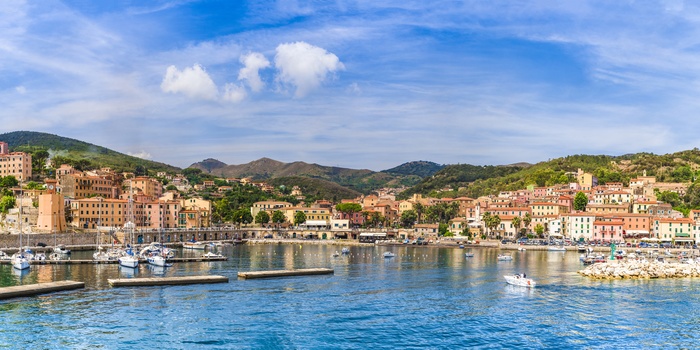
pixel 486 218
pixel 408 218
pixel 517 221
pixel 580 201
pixel 8 181
pixel 349 209
pixel 299 218
pixel 171 188
pixel 494 221
pixel 6 203
pixel 278 217
pixel 539 229
pixel 243 216
pixel 442 229
pixel 527 220
pixel 262 217
pixel 419 208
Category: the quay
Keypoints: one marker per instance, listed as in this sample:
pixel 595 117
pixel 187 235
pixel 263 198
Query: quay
pixel 82 262
pixel 166 281
pixel 284 273
pixel 40 288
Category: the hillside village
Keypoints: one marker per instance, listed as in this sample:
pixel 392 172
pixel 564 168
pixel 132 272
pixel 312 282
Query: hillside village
pixel 76 200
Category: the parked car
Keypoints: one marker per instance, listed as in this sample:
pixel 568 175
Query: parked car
pixel 268 236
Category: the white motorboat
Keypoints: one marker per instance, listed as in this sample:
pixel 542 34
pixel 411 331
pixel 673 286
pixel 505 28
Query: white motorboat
pixel 130 261
pixel 581 248
pixel 4 256
pixel 193 245
pixel 521 249
pixel 559 248
pixel 519 280
pixel 20 262
pixel 389 255
pixel 61 249
pixel 335 254
pixel 345 250
pixel 210 255
pixel 158 260
pixel 469 255
pixel 505 257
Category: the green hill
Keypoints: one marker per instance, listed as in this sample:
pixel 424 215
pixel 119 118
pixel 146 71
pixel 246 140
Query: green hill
pixel 80 154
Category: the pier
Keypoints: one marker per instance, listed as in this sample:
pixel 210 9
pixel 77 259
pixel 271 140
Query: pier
pixel 166 281
pixel 82 262
pixel 284 273
pixel 40 288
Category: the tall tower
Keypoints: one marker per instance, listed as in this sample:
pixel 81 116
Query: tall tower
pixel 51 209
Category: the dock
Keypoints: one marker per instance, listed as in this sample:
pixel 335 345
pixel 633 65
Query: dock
pixel 166 281
pixel 83 262
pixel 40 288
pixel 284 273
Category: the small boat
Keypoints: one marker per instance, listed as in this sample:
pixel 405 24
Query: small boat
pixel 345 250
pixel 158 260
pixel 520 280
pixel 210 255
pixel 389 255
pixel 581 248
pixel 61 249
pixel 128 259
pixel 20 262
pixel 469 255
pixel 505 257
pixel 193 245
pixel 560 248
pixel 335 254
pixel 521 249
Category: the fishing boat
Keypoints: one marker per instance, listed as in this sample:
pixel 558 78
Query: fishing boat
pixel 519 280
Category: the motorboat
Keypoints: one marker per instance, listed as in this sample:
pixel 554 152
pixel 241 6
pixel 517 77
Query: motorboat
pixel 193 245
pixel 158 260
pixel 581 248
pixel 389 255
pixel 61 249
pixel 345 250
pixel 129 259
pixel 210 255
pixel 559 248
pixel 505 257
pixel 519 280
pixel 335 254
pixel 20 262
pixel 521 249
pixel 4 256
pixel 469 255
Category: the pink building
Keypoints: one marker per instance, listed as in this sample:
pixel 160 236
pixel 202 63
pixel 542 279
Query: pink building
pixel 608 231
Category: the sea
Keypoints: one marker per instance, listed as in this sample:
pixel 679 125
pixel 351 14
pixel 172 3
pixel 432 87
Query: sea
pixel 422 298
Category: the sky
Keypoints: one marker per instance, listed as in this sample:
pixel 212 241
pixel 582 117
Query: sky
pixel 362 84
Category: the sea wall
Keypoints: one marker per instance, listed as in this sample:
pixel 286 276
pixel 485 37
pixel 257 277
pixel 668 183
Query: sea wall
pixel 623 269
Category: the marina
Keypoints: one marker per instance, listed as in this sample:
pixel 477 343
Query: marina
pixel 420 285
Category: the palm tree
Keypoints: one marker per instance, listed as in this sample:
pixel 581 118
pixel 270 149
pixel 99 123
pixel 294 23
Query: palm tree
pixel 418 207
pixel 486 219
pixel 517 221
pixel 527 220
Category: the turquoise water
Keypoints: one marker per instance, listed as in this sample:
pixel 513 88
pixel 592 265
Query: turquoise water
pixel 424 297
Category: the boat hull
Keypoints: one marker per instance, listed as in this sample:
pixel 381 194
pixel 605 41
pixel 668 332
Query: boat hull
pixel 520 281
pixel 128 262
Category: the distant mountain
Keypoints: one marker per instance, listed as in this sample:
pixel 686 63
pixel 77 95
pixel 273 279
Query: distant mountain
pixel 419 168
pixel 361 180
pixel 315 188
pixel 79 151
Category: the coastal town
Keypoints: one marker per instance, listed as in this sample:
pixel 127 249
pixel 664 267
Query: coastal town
pixel 582 211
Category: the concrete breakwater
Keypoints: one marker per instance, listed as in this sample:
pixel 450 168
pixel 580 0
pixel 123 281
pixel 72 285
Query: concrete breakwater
pixel 636 269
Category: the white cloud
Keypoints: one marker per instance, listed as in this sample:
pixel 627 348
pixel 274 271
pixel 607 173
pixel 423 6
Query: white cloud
pixel 304 66
pixel 234 93
pixel 193 82
pixel 253 62
pixel 21 89
pixel 142 155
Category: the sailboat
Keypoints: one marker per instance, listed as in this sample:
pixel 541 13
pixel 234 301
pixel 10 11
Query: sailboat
pixel 129 259
pixel 19 261
pixel 159 257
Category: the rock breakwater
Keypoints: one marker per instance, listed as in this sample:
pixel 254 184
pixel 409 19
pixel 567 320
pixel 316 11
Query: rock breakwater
pixel 625 269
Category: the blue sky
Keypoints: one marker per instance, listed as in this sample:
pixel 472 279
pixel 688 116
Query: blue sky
pixel 354 83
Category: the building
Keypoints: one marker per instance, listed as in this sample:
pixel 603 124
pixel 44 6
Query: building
pixel 17 164
pixel 51 216
pixel 150 187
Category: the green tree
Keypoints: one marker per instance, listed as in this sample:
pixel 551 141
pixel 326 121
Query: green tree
pixel 442 229
pixel 420 209
pixel 262 218
pixel 527 220
pixel 32 185
pixel 299 218
pixel 171 188
pixel 8 181
pixel 486 218
pixel 349 209
pixel 517 222
pixel 278 217
pixel 580 201
pixel 6 203
pixel 494 221
pixel 243 216
pixel 539 229
pixel 408 218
